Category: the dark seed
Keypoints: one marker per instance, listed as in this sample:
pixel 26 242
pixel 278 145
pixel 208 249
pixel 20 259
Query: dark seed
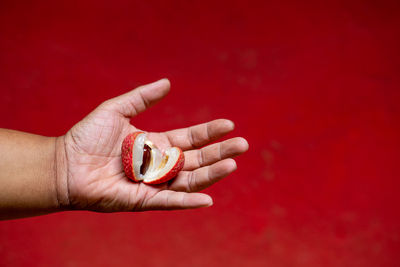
pixel 146 159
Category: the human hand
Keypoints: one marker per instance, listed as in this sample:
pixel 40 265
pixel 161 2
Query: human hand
pixel 89 171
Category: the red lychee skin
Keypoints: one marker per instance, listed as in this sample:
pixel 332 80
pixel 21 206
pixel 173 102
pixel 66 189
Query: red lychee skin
pixel 173 172
pixel 126 154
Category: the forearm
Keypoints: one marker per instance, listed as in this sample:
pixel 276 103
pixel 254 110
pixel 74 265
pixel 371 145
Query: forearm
pixel 28 184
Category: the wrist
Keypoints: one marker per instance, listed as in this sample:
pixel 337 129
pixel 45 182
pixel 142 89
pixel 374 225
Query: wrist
pixel 27 177
pixel 61 173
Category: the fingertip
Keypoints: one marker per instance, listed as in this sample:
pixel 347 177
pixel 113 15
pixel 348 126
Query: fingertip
pixel 224 167
pixel 203 200
pixel 226 125
pixel 243 144
pixel 230 124
pixel 209 201
pixel 163 83
pixel 155 91
pixel 232 164
pixel 167 83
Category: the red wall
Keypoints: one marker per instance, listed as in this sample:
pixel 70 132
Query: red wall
pixel 313 86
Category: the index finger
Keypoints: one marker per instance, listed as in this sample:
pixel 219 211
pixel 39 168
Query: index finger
pixel 199 135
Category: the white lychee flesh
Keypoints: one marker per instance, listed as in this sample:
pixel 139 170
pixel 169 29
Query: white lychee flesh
pixel 160 163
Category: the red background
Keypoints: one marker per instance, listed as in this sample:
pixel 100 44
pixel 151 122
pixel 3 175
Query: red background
pixel 313 86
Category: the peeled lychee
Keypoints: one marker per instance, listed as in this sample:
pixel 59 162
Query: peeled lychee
pixel 143 161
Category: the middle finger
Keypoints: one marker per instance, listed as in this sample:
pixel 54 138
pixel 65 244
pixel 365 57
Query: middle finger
pixel 212 153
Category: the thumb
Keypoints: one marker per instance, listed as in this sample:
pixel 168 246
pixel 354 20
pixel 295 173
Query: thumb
pixel 139 99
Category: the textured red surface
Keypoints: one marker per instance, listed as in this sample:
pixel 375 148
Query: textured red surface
pixel 126 155
pixel 314 86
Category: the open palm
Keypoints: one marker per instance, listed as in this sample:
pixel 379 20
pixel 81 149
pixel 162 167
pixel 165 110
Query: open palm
pixel 94 175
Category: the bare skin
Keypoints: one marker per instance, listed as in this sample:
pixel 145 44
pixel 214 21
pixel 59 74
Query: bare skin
pixel 82 170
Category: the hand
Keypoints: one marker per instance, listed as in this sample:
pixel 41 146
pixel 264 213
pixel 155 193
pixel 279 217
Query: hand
pixel 89 168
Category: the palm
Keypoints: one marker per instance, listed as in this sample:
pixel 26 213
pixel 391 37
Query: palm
pixel 95 176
